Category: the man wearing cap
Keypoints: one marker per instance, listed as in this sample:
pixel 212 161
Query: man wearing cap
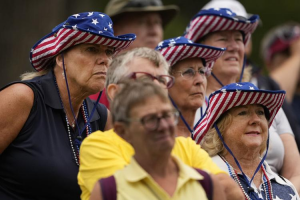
pixel 145 18
pixel 103 153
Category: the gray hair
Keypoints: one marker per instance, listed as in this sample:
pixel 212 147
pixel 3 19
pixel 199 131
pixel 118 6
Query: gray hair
pixel 119 66
pixel 132 93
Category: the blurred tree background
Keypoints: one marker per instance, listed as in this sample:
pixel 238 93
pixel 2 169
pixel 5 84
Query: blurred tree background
pixel 24 22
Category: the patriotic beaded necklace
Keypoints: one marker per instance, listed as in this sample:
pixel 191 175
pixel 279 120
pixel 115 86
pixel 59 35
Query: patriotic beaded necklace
pixel 75 144
pixel 266 182
pixel 86 117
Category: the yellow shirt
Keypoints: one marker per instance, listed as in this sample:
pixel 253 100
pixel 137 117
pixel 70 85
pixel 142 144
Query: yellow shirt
pixel 133 182
pixel 103 153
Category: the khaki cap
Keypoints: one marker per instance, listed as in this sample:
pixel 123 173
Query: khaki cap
pixel 117 7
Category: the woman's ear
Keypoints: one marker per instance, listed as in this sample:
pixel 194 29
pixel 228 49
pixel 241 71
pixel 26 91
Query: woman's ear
pixel 112 90
pixel 121 130
pixel 59 61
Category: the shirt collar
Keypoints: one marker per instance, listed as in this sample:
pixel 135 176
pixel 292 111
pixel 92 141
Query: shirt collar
pixel 48 84
pixel 52 97
pixel 134 172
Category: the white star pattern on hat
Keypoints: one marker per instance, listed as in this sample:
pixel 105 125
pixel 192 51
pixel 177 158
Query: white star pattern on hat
pixel 95 21
pixel 102 15
pixel 74 27
pixel 76 15
pixel 90 14
pixel 100 32
pixel 251 88
pixel 105 28
pixel 228 12
pixel 277 198
pixel 293 197
pixel 238 85
pixel 110 25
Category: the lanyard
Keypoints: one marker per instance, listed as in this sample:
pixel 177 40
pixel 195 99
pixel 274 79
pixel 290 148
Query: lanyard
pixel 70 102
pixel 237 162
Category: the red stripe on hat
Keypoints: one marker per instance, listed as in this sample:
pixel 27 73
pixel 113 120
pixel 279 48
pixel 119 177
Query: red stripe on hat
pixel 193 26
pixel 56 49
pixel 75 41
pixel 52 39
pixel 189 52
pixel 167 52
pixel 174 58
pixel 227 24
pixel 173 49
pixel 203 28
pixel 51 51
pixel 41 49
pixel 196 28
pixel 221 98
pixel 218 25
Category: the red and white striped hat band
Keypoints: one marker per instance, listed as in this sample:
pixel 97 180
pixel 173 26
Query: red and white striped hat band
pixel 92 27
pixel 233 95
pixel 223 19
pixel 176 49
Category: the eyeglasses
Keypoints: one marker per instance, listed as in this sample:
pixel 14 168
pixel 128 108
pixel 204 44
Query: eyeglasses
pixel 165 80
pixel 190 73
pixel 151 121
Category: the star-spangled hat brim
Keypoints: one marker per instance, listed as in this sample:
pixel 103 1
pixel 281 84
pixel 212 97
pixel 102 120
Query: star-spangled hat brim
pixel 223 19
pixel 89 27
pixel 233 95
pixel 176 49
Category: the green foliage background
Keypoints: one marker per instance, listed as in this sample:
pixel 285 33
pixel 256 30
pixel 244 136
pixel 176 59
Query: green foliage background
pixel 24 22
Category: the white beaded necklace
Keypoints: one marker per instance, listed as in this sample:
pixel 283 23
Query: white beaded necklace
pixel 88 127
pixel 267 186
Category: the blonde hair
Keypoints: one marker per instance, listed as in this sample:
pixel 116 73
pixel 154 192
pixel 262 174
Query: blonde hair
pixel 212 142
pixel 246 75
pixel 31 75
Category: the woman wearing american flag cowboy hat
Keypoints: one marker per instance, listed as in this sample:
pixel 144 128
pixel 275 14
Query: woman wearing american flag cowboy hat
pixel 222 27
pixel 45 117
pixel 191 64
pixel 235 131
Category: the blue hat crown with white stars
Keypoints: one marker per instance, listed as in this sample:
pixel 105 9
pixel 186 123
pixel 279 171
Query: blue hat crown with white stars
pixel 179 48
pixel 88 27
pixel 226 12
pixel 219 19
pixel 93 22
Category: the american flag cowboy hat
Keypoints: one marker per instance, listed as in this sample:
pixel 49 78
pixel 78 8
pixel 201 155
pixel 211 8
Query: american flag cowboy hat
pixel 176 49
pixel 220 19
pixel 87 27
pixel 233 95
